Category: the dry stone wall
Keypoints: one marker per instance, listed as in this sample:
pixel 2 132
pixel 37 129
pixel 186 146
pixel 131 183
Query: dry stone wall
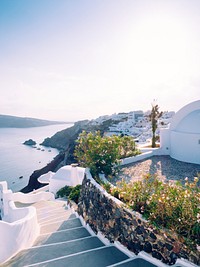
pixel 109 216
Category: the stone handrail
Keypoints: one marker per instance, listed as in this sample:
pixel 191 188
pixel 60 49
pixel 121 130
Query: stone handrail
pixel 18 232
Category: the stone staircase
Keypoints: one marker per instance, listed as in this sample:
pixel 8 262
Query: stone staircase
pixel 64 241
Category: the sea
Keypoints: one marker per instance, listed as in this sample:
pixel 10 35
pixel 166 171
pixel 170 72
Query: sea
pixel 19 161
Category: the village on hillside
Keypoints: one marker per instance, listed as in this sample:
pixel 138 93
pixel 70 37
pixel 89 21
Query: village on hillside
pixel 134 123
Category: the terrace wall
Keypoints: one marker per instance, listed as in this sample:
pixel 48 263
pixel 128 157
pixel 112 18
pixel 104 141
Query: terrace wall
pixel 107 215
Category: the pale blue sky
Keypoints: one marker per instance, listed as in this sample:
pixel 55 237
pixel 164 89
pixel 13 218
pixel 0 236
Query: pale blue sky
pixel 79 59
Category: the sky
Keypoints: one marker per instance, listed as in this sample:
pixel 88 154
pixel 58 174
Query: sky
pixel 80 59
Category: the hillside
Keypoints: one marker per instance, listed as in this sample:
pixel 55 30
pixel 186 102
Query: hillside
pixel 65 141
pixel 66 138
pixel 7 121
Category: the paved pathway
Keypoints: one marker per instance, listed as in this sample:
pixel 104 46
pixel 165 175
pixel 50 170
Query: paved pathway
pixel 163 166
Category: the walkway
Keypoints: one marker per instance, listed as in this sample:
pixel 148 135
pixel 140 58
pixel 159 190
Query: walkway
pixel 64 241
pixel 164 167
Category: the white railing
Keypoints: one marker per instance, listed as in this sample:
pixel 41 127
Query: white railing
pixel 19 226
pixel 146 153
pixel 32 198
pixel 18 232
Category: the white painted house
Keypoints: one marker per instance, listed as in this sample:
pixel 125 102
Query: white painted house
pixel 182 139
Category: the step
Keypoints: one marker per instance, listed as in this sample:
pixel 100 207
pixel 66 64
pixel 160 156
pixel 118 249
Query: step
pixel 49 212
pixel 62 236
pixel 100 257
pixel 55 217
pixel 38 254
pixel 137 262
pixel 60 225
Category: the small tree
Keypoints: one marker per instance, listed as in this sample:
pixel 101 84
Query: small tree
pixel 154 116
pixel 102 154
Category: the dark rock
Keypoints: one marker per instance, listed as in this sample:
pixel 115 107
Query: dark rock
pixel 148 247
pixel 137 247
pixel 169 246
pixel 153 236
pixel 173 258
pixel 139 230
pixel 29 142
pixel 160 244
pixel 155 246
pixel 156 255
pixel 33 182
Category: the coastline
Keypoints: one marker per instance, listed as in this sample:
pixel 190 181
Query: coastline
pixel 33 183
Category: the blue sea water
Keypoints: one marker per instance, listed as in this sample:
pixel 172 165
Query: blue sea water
pixel 18 161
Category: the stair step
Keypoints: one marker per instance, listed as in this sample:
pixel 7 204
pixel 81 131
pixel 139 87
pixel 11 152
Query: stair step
pixel 36 255
pixel 56 217
pixel 137 262
pixel 52 216
pixel 42 205
pixel 50 212
pixel 60 225
pixel 62 236
pixel 100 257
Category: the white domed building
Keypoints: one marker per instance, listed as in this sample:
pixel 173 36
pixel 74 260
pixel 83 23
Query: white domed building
pixel 182 139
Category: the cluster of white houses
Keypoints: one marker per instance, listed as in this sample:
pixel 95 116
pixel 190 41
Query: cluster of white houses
pixel 179 133
pixel 134 123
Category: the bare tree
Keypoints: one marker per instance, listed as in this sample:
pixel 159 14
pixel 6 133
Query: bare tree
pixel 154 116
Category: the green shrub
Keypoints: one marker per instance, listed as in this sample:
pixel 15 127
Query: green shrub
pixel 103 154
pixel 64 191
pixel 170 205
pixel 70 192
pixel 75 193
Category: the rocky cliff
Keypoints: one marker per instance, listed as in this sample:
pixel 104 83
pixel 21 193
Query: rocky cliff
pixel 64 141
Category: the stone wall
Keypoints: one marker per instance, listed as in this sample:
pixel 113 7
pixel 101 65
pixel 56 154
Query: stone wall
pixel 108 215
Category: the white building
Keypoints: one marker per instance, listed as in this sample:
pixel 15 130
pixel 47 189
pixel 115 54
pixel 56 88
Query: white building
pixel 182 139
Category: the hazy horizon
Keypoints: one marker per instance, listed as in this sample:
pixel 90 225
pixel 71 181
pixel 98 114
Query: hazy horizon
pixel 70 60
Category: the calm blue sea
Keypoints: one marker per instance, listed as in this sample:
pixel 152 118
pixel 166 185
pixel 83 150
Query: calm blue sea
pixel 18 161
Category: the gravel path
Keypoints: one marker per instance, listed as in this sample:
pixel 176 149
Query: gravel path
pixel 164 167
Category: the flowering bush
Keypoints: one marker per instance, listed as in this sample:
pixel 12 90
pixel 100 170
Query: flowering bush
pixel 167 204
pixel 103 154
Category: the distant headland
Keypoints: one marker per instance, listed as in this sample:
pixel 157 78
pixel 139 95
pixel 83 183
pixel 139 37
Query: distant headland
pixel 7 121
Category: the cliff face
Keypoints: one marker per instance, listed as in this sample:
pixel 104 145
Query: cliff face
pixel 64 141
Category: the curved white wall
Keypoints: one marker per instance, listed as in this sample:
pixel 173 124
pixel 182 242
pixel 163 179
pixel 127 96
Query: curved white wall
pixel 67 175
pixel 183 113
pixel 185 147
pixel 19 226
pixel 190 123
pixel 20 233
pixel 182 139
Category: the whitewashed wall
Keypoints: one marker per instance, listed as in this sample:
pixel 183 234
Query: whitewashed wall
pixel 165 144
pixel 19 226
pixel 19 233
pixel 182 140
pixel 185 147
